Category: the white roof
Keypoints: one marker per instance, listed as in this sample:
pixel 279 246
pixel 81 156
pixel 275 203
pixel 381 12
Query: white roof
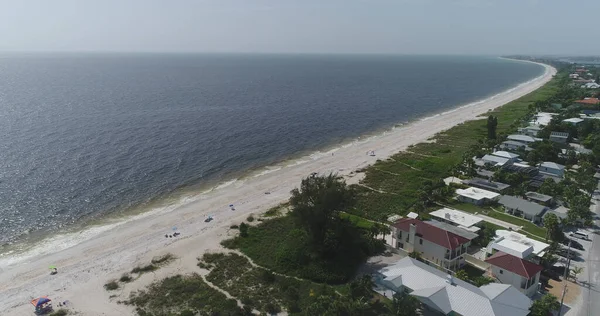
pixel 498 161
pixel 516 244
pixel 552 165
pixel 432 287
pixel 522 138
pixel 505 154
pixel 449 180
pixel 477 194
pixel 412 215
pixel 542 118
pixel 573 120
pixel 455 216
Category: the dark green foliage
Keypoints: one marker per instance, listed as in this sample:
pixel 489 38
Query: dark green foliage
pixel 250 218
pixel 185 293
pixel 492 124
pixel 544 306
pixel 404 305
pixel 462 275
pixel 361 288
pixel 244 229
pixel 316 206
pixel 111 286
pixel 126 278
pixel 164 259
pixel 234 227
pixel 146 268
pixel 278 245
pixel 486 234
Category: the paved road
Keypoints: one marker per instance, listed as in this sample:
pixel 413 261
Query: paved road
pixel 590 305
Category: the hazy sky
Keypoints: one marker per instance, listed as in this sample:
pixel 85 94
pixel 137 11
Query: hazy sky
pixel 329 26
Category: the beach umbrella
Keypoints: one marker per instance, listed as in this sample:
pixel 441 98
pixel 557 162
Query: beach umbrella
pixel 40 301
pixel 174 228
pixel 52 267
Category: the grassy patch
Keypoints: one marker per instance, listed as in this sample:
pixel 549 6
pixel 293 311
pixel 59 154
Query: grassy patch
pixel 182 295
pixel 357 220
pixel 278 245
pixel 111 286
pixel 275 211
pixel 258 288
pixel 526 225
pixel 472 272
pixel 399 179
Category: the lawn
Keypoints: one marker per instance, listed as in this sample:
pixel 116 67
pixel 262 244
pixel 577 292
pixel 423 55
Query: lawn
pixel 399 179
pixel 526 225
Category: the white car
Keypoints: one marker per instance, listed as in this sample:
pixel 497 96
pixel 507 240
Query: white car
pixel 579 235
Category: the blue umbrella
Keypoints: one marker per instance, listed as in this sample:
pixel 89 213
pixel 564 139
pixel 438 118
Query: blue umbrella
pixel 174 228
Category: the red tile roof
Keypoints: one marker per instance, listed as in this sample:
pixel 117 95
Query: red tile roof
pixel 432 233
pixel 514 264
pixel 589 101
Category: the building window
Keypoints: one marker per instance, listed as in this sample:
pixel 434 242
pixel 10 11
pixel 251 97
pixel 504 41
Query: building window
pixel 400 235
pixel 501 272
pixel 420 241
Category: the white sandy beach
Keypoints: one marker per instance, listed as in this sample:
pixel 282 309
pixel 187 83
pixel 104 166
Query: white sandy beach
pixel 85 267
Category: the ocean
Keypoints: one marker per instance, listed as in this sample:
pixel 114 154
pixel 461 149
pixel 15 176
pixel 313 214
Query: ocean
pixel 90 136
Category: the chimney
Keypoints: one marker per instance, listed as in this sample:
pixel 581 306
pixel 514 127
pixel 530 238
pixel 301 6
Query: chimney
pixel 450 279
pixel 411 233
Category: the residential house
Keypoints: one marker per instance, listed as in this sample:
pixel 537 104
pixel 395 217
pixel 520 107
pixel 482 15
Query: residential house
pixel 519 207
pixel 573 120
pixel 525 139
pixel 552 169
pixel 573 76
pixel 588 101
pixel 591 85
pixel 561 212
pixel 476 196
pixel 515 244
pixel 487 184
pixel 520 273
pixel 500 158
pixel 539 198
pixel 514 145
pixel 443 294
pixel 559 137
pixel 542 118
pixel 469 234
pixel 531 130
pixel 491 160
pixel 436 245
pixel 457 218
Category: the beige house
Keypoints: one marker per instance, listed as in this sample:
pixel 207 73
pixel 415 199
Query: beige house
pixel 439 246
pixel 520 273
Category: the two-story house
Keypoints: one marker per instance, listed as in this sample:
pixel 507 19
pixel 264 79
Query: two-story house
pixel 520 273
pixel 435 244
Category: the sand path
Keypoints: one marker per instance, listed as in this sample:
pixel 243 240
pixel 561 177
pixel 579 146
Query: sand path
pixel 86 266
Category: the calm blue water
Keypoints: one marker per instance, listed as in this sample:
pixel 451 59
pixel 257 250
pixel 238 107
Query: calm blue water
pixel 89 135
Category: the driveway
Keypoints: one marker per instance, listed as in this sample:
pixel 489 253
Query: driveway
pixel 499 222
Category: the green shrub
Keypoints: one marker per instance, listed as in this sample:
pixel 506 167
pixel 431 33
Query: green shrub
pixel 250 218
pixel 125 278
pixel 111 286
pixel 147 268
pixel 244 229
pixel 234 226
pixel 60 312
pixel 164 259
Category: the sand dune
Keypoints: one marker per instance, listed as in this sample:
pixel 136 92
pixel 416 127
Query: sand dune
pixel 86 266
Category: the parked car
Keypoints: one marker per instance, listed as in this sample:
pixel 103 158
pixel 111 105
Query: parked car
pixel 569 254
pixel 574 243
pixel 579 235
pixel 550 274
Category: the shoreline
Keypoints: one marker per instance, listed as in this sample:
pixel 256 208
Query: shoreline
pixel 87 265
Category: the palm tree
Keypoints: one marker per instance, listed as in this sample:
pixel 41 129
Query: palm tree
pixel 575 271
